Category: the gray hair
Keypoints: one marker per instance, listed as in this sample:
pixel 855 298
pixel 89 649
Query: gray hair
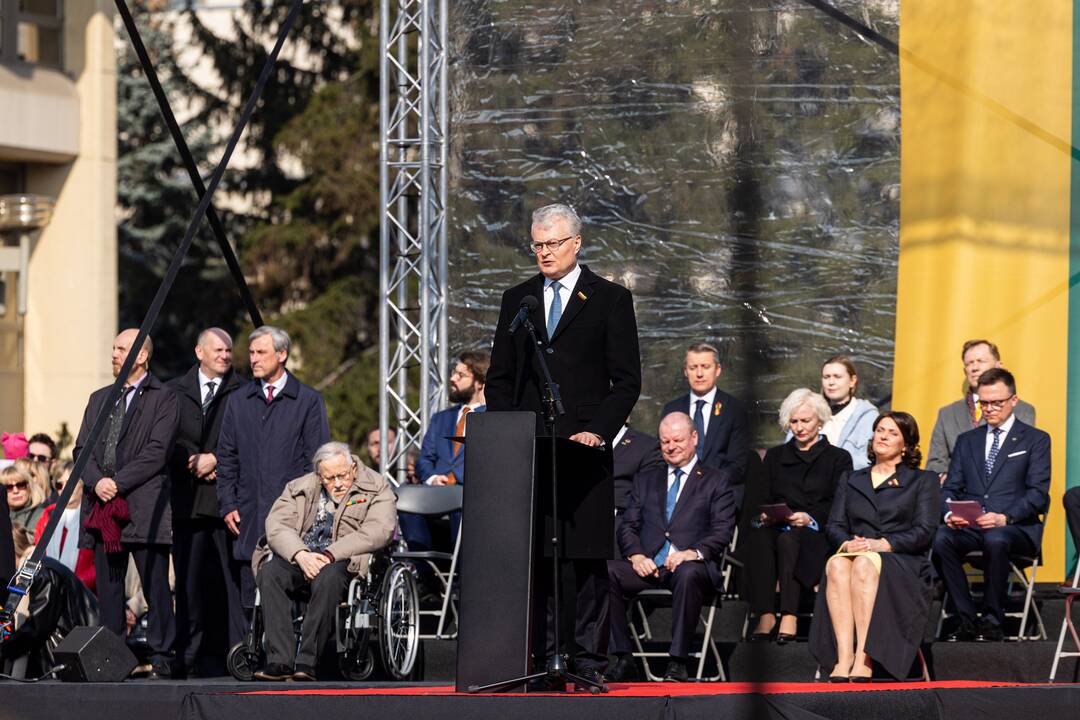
pixel 205 335
pixel 803 396
pixel 279 336
pixel 330 450
pixel 548 214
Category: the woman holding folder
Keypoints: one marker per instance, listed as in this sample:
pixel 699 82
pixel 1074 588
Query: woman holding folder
pixel 786 546
pixel 875 594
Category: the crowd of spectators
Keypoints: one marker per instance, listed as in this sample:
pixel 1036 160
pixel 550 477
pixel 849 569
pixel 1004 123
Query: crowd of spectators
pixel 203 489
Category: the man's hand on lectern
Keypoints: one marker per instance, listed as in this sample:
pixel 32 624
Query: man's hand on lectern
pixel 588 438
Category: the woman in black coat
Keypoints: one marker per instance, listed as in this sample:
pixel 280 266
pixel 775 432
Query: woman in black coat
pixel 875 595
pixel 802 473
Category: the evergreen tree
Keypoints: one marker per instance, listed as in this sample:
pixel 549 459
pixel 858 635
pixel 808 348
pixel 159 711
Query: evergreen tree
pixel 156 199
pixel 307 237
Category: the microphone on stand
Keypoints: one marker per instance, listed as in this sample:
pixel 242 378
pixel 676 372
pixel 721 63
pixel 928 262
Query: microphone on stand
pixel 528 304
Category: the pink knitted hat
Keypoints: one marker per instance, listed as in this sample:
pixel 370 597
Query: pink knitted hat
pixel 15 445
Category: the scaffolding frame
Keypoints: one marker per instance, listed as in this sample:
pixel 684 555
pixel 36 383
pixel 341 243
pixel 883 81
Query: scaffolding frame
pixel 413 270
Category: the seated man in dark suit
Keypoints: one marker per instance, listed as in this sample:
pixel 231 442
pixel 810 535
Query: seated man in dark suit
pixel 1071 501
pixel 1005 466
pixel 719 419
pixel 677 524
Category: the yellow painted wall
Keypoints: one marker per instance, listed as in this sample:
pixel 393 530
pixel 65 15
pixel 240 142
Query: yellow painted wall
pixel 984 216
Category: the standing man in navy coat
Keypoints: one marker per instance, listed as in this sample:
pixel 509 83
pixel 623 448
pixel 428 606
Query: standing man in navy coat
pixel 442 460
pixel 677 524
pixel 718 417
pixel 1005 466
pixel 588 332
pixel 272 427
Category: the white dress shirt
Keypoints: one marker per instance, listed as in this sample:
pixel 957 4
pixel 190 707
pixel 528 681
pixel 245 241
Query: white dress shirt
pixel 682 486
pixel 278 384
pixel 203 379
pixel 1005 428
pixel 706 409
pixel 566 288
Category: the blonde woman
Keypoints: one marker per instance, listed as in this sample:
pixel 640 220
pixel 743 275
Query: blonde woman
pixel 25 493
pixel 789 553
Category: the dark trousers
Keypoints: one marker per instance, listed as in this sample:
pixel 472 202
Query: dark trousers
pixel 1072 513
pixel 772 556
pixel 997 544
pixel 280 584
pixel 152 562
pixel 690 585
pixel 584 623
pixel 204 565
pixel 418 534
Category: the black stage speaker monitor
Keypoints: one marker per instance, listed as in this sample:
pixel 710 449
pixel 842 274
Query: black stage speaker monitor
pixel 93 654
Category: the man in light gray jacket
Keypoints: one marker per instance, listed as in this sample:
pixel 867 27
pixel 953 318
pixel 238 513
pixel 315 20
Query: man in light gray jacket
pixel 958 417
pixel 320 533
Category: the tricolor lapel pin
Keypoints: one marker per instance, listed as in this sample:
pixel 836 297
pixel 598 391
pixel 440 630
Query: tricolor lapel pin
pixel 582 296
pixel 716 408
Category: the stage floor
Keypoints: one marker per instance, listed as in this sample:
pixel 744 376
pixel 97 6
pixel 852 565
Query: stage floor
pixel 227 700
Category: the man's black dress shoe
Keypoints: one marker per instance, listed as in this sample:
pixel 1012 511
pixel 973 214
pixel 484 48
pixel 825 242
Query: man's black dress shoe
pixel 591 675
pixel 624 670
pixel 160 671
pixel 274 672
pixel 989 631
pixel 964 632
pixel 304 673
pixel 676 671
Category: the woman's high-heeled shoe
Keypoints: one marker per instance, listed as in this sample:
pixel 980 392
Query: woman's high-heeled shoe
pixel 765 636
pixel 784 638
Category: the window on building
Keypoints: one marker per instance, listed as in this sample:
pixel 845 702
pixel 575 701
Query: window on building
pixel 31 31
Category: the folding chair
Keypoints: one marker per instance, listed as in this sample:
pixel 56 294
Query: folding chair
pixel 434 501
pixel 1071 592
pixel 708 617
pixel 708 644
pixel 727 592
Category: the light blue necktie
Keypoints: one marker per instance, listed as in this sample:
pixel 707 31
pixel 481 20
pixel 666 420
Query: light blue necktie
pixel 994 448
pixel 669 507
pixel 556 309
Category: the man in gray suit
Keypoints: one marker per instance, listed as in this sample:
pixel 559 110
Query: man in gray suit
pixel 958 417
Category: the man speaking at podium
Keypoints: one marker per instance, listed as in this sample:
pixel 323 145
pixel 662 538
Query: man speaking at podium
pixel 588 335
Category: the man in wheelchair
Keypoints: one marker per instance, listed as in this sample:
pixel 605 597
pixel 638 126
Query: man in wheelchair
pixel 319 535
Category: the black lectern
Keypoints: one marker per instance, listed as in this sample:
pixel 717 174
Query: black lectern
pixel 506 530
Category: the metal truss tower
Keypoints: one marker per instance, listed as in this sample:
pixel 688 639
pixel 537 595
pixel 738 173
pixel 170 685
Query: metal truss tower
pixel 412 243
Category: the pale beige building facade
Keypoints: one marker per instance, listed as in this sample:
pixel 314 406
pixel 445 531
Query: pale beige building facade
pixel 58 140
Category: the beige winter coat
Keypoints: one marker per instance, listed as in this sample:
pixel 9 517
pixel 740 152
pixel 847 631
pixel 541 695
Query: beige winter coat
pixel 363 522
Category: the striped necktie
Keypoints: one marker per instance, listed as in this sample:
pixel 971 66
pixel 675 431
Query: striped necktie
pixel 209 396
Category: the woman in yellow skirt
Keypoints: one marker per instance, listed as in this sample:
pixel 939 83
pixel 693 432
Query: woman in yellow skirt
pixel 875 593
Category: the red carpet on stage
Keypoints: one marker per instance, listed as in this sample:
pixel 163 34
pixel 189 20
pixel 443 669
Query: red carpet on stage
pixel 656 689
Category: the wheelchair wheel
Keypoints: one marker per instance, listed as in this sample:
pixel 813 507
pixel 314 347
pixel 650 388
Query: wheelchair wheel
pixel 239 663
pixel 399 622
pixel 358 668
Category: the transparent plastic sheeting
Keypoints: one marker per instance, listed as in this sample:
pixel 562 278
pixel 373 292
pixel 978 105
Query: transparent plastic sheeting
pixel 736 164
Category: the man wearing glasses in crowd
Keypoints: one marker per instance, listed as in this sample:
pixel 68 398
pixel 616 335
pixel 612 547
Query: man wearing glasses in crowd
pixel 1004 466
pixel 588 334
